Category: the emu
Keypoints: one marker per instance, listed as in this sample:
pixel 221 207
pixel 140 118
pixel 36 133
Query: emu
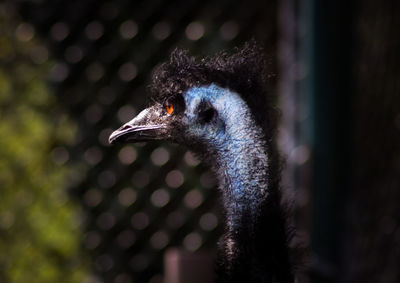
pixel 220 109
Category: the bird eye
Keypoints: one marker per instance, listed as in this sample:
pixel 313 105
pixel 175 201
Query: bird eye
pixel 169 107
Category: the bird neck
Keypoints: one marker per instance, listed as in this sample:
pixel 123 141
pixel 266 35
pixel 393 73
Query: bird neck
pixel 243 181
pixel 254 246
pixel 255 241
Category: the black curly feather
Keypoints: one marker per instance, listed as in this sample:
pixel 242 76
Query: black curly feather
pixel 244 72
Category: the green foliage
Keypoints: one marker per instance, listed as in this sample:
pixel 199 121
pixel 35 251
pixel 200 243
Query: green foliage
pixel 39 227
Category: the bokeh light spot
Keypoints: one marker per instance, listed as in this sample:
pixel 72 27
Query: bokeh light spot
pixel 229 30
pixel 192 241
pixel 159 240
pixel 127 155
pixel 24 32
pixel 140 220
pixel 127 72
pixel 128 29
pixel 160 198
pixel 174 179
pixel 59 72
pixel 191 159
pixel 59 31
pixel 193 199
pixel 159 156
pixel 161 30
pixel 127 197
pixel 93 155
pixel 208 221
pixel 39 54
pixel 92 197
pixel 194 31
pixel 94 30
pixel 73 54
pixel 126 113
pixel 92 240
pixel 60 155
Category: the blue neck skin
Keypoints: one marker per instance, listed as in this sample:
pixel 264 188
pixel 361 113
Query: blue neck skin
pixel 238 151
pixel 253 247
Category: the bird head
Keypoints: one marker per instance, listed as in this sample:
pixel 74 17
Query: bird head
pixel 202 115
pixel 196 103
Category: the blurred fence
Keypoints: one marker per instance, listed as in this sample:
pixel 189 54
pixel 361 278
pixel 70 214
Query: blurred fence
pixel 339 86
pixel 137 200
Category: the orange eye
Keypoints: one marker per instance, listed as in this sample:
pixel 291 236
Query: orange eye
pixel 169 108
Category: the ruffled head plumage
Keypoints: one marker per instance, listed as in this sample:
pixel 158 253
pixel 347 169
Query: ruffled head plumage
pixel 243 71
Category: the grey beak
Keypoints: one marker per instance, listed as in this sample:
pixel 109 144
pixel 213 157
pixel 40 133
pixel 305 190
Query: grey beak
pixel 144 127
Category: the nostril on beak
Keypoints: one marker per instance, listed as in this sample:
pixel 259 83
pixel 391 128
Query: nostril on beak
pixel 125 127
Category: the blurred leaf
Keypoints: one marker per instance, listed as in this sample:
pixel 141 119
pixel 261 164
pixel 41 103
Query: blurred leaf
pixel 39 231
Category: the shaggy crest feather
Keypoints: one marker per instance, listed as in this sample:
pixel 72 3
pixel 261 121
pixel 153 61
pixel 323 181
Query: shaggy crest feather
pixel 244 71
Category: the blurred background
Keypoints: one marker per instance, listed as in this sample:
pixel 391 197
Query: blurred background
pixel 74 209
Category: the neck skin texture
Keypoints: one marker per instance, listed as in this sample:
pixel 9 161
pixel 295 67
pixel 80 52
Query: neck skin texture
pixel 253 248
pixel 254 245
